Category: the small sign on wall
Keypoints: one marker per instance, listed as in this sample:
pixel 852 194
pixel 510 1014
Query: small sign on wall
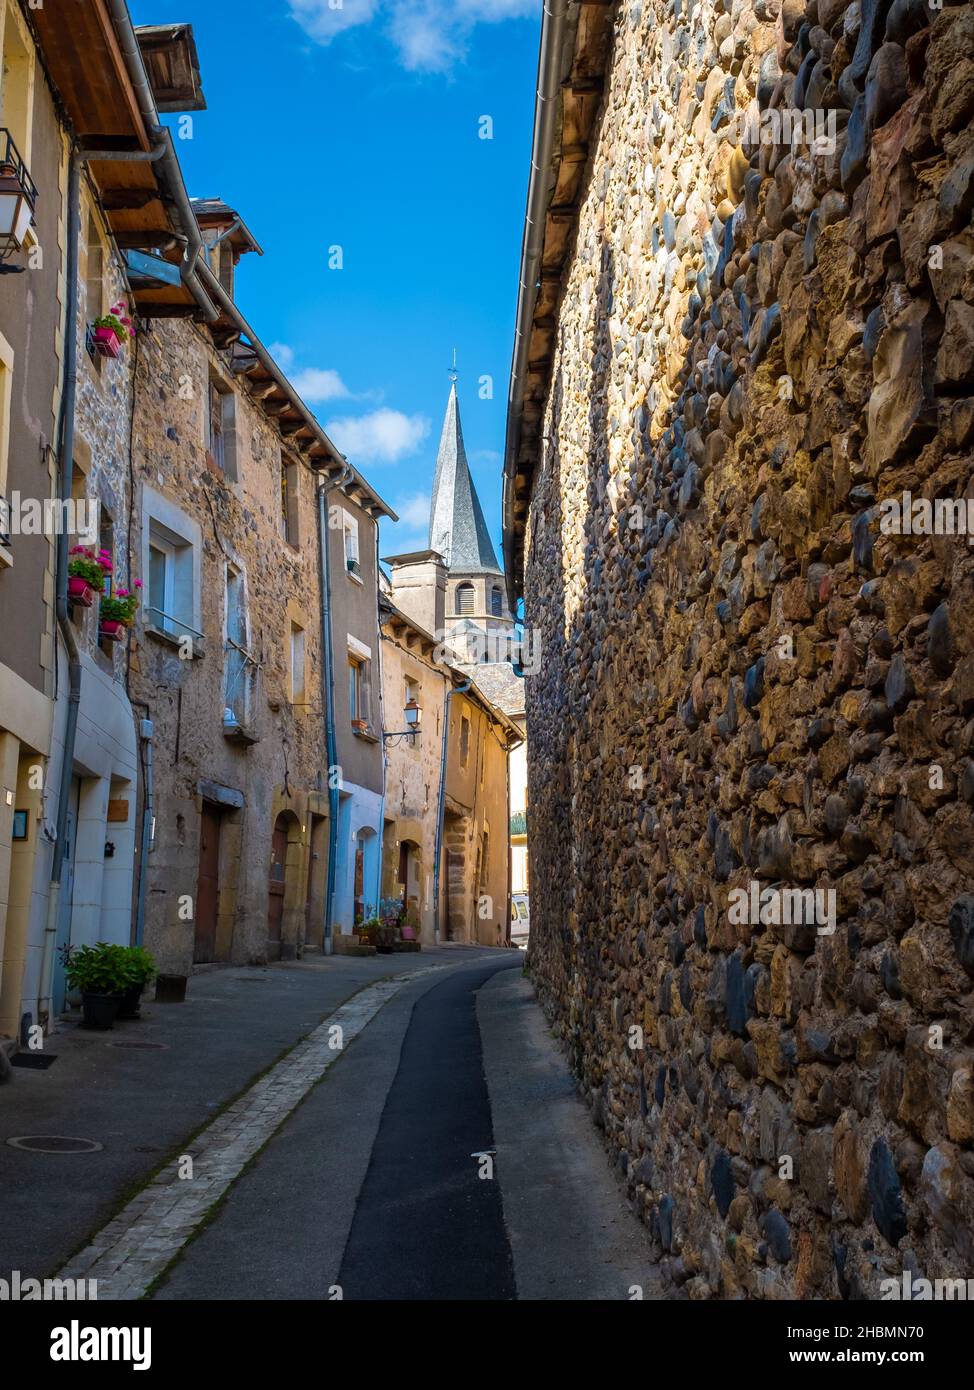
pixel 21 825
pixel 118 812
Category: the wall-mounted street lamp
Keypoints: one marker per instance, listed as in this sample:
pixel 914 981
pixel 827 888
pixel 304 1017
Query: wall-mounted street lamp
pixel 18 195
pixel 414 719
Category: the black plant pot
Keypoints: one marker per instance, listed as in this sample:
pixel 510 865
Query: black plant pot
pixel 100 1010
pixel 128 1002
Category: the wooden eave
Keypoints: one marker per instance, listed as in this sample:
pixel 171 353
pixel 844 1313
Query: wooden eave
pixel 579 106
pixel 87 68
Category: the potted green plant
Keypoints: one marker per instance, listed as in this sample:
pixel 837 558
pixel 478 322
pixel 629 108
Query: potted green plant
pixel 87 572
pixel 101 973
pixel 118 612
pixel 141 968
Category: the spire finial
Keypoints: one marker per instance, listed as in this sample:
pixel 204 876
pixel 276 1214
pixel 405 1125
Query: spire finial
pixel 453 373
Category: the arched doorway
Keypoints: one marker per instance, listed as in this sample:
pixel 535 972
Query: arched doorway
pixel 365 904
pixel 409 882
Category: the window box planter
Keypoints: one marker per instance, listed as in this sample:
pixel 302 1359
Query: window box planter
pixel 80 592
pixel 360 726
pixel 112 630
pixel 107 342
pixel 354 567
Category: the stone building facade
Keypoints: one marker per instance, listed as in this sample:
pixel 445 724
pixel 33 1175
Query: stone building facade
pixel 460 809
pixel 754 678
pixel 227 667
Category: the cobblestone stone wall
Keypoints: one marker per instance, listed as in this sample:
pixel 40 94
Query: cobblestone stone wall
pixel 752 678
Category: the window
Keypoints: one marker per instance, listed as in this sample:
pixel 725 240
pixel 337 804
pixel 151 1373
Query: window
pixel 412 691
pixel 106 542
pixel 496 602
pixel 170 569
pixel 465 598
pixel 169 602
pixel 289 501
pixel 485 859
pixel 94 282
pixel 350 528
pixel 95 272
pixel 297 664
pixel 16 79
pixel 239 668
pixel 221 437
pixel 162 584
pixel 360 690
pixel 464 741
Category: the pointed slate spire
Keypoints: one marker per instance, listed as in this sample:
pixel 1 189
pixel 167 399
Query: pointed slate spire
pixel 457 526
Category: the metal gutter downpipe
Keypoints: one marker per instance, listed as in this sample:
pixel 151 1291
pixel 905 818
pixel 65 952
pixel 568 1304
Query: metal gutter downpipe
pixel 328 700
pixel 441 806
pixel 553 30
pixel 190 264
pixel 65 437
pixel 69 394
pixel 148 815
pixel 382 723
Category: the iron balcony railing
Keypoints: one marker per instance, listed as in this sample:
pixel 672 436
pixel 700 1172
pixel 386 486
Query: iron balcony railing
pixel 11 162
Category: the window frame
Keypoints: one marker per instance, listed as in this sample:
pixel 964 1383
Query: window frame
pixel 298 648
pixel 164 521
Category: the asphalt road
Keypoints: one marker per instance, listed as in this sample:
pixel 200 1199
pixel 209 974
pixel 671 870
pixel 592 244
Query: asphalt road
pixel 372 1189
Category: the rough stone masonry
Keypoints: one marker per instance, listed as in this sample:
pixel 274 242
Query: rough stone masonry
pixel 745 678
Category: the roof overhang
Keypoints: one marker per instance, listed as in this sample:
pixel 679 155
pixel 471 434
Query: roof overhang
pixel 107 99
pixel 172 62
pixel 576 43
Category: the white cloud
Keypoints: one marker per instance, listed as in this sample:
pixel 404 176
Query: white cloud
pixel 282 354
pixel 322 20
pixel 311 383
pixel 317 384
pixel 430 35
pixel 414 511
pixel 385 436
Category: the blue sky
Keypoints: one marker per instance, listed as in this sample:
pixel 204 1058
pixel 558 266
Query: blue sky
pixel 357 124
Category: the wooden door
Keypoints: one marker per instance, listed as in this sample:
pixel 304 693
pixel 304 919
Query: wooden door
pixel 275 888
pixel 208 885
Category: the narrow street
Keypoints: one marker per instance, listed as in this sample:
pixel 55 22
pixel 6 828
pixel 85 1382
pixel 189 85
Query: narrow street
pixel 370 1188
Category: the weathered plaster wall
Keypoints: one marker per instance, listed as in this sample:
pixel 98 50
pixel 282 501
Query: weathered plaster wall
pixel 743 679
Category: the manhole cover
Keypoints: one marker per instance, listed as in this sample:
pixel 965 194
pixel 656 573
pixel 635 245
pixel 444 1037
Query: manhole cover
pixel 54 1144
pixel 141 1046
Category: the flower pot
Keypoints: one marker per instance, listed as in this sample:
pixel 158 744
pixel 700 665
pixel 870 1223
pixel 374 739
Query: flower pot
pixel 112 630
pixel 100 1010
pixel 360 725
pixel 80 591
pixel 107 342
pixel 128 1003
